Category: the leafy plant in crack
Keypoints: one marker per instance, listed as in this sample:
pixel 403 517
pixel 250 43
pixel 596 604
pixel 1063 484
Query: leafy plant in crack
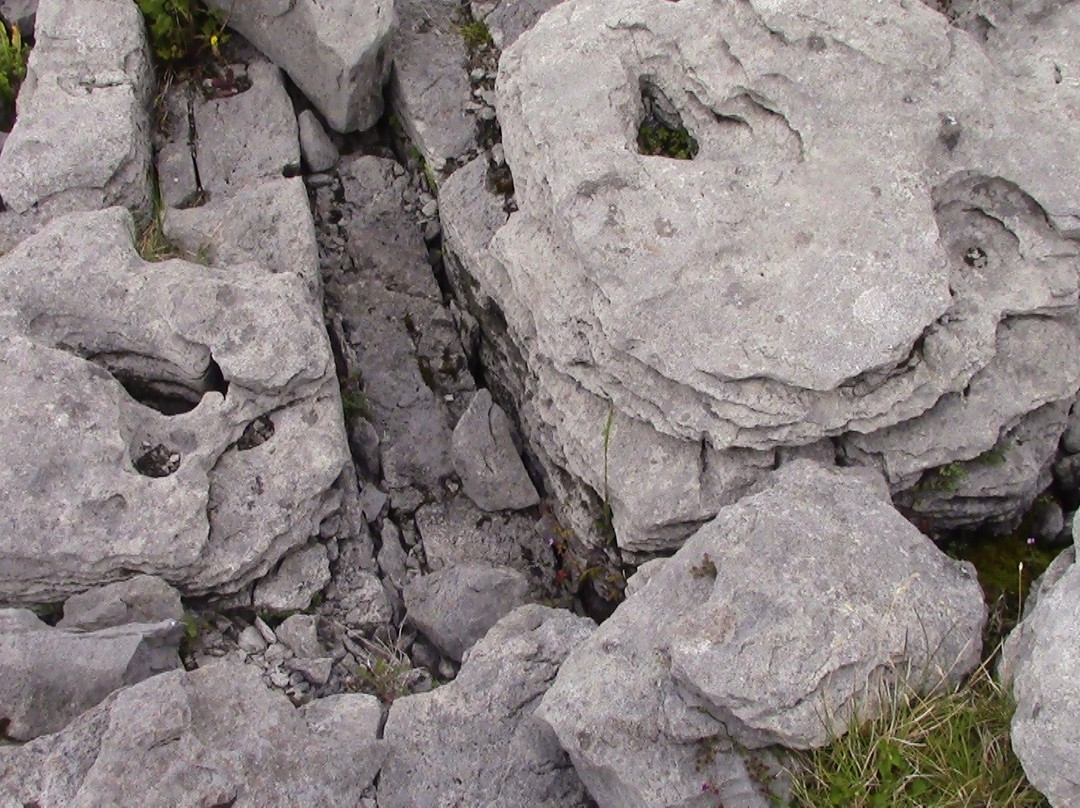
pixel 13 56
pixel 183 32
pixel 476 35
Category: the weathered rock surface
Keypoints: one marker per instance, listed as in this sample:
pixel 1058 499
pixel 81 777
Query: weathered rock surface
pixel 82 135
pixel 316 147
pixel 397 338
pixel 215 736
pixel 1040 660
pixel 616 285
pixel 48 676
pixel 475 741
pixel 295 582
pixel 142 599
pixel 336 51
pixel 456 606
pixel 509 19
pixel 142 431
pixel 779 617
pixel 485 458
pixel 429 87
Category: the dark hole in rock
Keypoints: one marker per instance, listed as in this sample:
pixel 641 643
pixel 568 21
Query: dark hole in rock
pixel 256 433
pixel 661 132
pixel 164 395
pixel 157 461
pixel 500 179
pixel 291 170
pixel 975 257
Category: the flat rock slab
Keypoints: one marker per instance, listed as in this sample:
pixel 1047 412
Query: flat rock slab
pixel 82 136
pixel 776 623
pixel 336 51
pixel 147 431
pixel 142 599
pixel 214 736
pixel 49 676
pixel 474 741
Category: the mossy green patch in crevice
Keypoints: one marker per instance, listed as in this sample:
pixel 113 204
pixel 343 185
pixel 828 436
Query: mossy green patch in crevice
pixel 657 139
pixel 183 32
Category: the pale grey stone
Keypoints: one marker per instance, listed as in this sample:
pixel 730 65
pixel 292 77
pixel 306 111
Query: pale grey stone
pixel 774 624
pixel 81 139
pixel 430 83
pixel 365 604
pixel 48 676
pixel 265 223
pixel 336 51
pixel 317 671
pixel 295 582
pixel 509 19
pixel 251 640
pixel 210 497
pixel 316 147
pixel 486 460
pixel 456 606
pixel 298 633
pixel 1040 661
pixel 474 741
pixel 142 599
pixel 265 630
pixel 209 737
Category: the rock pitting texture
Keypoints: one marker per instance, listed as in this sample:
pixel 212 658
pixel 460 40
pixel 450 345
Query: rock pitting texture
pixel 475 741
pixel 82 137
pixel 774 621
pixel 214 736
pixel 102 483
pixel 860 240
pixel 336 51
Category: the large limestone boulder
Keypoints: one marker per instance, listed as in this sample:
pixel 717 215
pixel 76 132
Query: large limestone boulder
pixel 82 135
pixel 1040 660
pixel 215 736
pixel 49 676
pixel 777 623
pixel 859 240
pixel 167 418
pixel 336 51
pixel 475 741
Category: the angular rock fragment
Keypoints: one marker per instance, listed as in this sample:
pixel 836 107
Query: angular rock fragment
pixel 290 587
pixel 82 135
pixel 214 736
pixel 487 461
pixel 142 599
pixel 48 676
pixel 776 623
pixel 317 148
pixel 475 741
pixel 336 51
pixel 456 606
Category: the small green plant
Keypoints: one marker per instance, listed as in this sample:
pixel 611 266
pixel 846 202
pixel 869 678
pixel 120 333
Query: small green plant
pixel 606 524
pixel 994 456
pixel 476 35
pixel 13 55
pixel 656 138
pixel 945 479
pixel 355 403
pixel 183 32
pixel 947 749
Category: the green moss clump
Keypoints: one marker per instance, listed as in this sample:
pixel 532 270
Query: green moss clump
pixel 657 139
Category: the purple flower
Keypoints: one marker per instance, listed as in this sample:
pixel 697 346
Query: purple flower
pixel 1031 541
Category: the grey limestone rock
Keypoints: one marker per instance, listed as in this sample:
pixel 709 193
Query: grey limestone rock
pixel 486 459
pixel 336 51
pixel 298 633
pixel 318 150
pixel 214 736
pixel 430 83
pixel 740 301
pixel 509 19
pixel 143 431
pixel 82 135
pixel 48 676
pixel 302 574
pixel 474 741
pixel 780 617
pixel 456 606
pixel 20 13
pixel 1040 661
pixel 142 599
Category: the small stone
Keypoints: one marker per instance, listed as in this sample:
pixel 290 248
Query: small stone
pixel 276 654
pixel 251 640
pixel 142 599
pixel 318 150
pixel 279 678
pixel 498 154
pixel 486 114
pixel 430 209
pixel 316 671
pixel 265 630
pixel 299 634
pixel 372 502
pixel 300 576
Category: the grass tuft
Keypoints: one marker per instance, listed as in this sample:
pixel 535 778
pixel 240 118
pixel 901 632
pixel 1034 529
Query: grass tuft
pixel 947 749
